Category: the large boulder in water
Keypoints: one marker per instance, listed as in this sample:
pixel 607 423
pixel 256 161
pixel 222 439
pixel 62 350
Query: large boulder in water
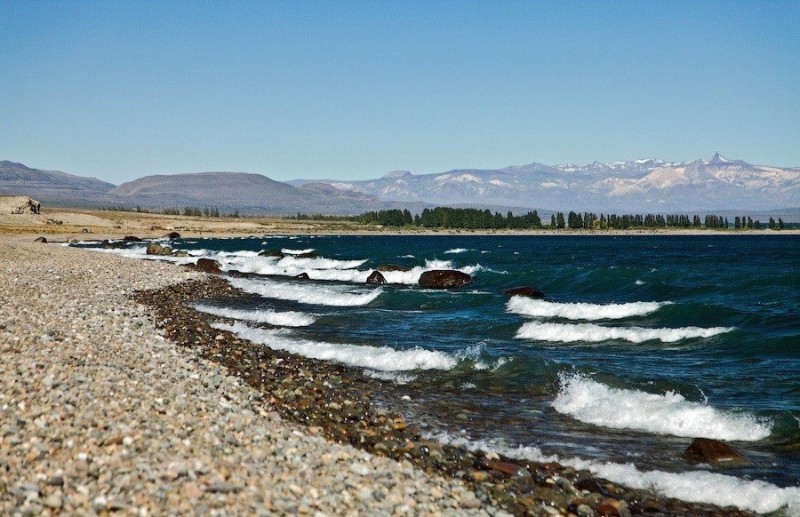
pixel 713 452
pixel 302 276
pixel 271 253
pixel 376 278
pixel 530 292
pixel 208 265
pixel 155 248
pixel 444 279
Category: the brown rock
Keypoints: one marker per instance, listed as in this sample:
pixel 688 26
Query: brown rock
pixel 443 279
pixel 173 235
pixel 131 238
pixel 155 248
pixel 41 239
pixel 512 469
pixel 530 292
pixel 208 265
pixel 376 278
pixel 706 450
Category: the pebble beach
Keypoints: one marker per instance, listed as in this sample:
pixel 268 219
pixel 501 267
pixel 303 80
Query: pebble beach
pixel 99 412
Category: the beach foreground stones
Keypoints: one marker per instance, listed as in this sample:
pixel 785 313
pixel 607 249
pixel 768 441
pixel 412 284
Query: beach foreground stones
pixel 100 413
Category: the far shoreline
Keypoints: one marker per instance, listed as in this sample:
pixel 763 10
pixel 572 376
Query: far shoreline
pixel 83 224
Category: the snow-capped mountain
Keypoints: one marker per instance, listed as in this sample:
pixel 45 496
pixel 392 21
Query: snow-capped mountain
pixel 639 185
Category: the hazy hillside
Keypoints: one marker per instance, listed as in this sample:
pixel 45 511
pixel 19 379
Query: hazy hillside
pixel 52 186
pixel 247 192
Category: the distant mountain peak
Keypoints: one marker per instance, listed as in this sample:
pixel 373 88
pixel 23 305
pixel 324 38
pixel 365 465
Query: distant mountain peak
pixel 399 174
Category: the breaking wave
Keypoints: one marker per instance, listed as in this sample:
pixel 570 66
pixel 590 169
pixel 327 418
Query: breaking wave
pixel 580 311
pixel 670 413
pixel 382 359
pixel 339 296
pixel 697 486
pixel 279 319
pixel 592 333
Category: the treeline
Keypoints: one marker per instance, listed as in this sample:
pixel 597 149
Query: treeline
pixel 471 218
pixel 188 210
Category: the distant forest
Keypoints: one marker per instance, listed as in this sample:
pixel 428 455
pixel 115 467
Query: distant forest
pixel 474 219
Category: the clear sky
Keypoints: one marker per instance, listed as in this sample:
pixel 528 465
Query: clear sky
pixel 338 89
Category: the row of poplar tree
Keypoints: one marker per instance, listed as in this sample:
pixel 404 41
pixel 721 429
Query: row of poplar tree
pixel 472 218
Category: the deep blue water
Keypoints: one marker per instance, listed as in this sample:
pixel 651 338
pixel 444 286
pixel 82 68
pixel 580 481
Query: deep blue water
pixel 641 344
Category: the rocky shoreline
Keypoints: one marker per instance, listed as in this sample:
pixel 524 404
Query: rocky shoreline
pixel 101 413
pixel 117 396
pixel 337 402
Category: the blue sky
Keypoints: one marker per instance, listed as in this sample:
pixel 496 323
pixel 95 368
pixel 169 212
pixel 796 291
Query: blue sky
pixel 120 90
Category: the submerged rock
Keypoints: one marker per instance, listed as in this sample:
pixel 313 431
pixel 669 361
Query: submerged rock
pixel 376 278
pixel 302 276
pixel 530 292
pixel 706 450
pixel 271 253
pixel 391 267
pixel 444 279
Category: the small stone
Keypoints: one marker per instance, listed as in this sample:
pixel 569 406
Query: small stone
pixel 53 501
pixel 191 490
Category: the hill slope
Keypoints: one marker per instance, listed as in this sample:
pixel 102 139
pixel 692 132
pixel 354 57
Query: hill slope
pixel 51 186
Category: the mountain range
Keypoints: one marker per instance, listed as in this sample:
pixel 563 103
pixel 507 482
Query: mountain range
pixel 648 185
pixel 640 185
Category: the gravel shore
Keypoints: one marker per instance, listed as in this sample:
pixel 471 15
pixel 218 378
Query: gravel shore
pixel 99 412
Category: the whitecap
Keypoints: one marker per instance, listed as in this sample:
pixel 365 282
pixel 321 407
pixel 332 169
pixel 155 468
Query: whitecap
pixel 290 251
pixel 279 319
pixel 456 250
pixel 375 358
pixel 580 311
pixel 670 413
pixel 697 486
pixel 591 333
pixel 340 296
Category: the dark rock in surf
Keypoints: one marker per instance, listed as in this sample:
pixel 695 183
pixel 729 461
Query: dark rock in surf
pixel 706 450
pixel 208 265
pixel 309 254
pixel 302 276
pixel 155 248
pixel 391 267
pixel 173 235
pixel 444 279
pixel 376 278
pixel 530 292
pixel 271 253
pixel 131 238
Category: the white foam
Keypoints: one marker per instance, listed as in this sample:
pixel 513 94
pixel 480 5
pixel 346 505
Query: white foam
pixel 592 333
pixel 279 319
pixel 639 282
pixel 290 251
pixel 397 378
pixel 382 359
pixel 580 311
pixel 670 413
pixel 697 486
pixel 456 250
pixel 339 296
